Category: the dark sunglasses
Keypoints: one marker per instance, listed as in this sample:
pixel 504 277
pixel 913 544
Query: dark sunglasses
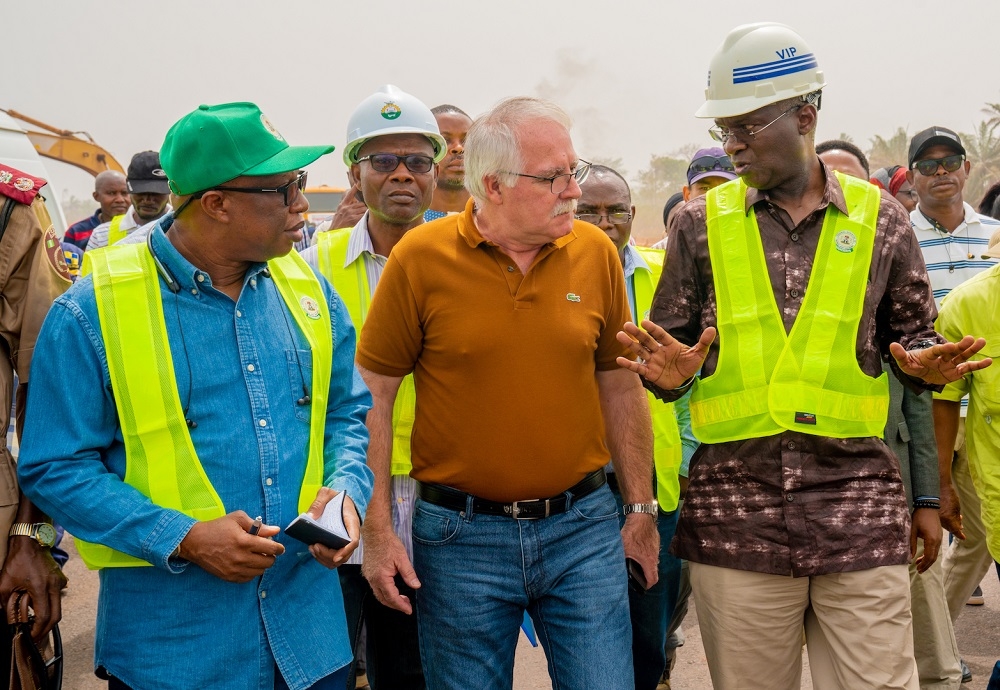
pixel 285 190
pixel 709 163
pixel 387 162
pixel 929 166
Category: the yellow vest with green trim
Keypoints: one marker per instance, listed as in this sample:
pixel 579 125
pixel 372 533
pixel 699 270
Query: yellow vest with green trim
pixel 351 283
pixel 667 449
pixel 160 459
pixel 115 232
pixel 808 380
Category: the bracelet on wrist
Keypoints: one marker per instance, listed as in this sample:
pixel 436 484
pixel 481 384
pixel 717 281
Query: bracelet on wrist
pixel 932 505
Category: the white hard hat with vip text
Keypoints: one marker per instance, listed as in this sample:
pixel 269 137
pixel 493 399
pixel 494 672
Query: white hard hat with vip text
pixel 759 64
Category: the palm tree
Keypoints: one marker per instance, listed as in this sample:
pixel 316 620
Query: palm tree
pixel 885 153
pixel 983 149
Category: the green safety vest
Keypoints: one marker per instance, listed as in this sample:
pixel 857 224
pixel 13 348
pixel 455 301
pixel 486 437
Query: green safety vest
pixel 115 232
pixel 667 450
pixel 160 459
pixel 808 380
pixel 351 283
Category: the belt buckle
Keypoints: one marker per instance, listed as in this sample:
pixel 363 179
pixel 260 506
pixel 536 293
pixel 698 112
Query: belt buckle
pixel 515 509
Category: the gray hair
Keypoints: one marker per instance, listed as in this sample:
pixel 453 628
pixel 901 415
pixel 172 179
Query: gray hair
pixel 491 146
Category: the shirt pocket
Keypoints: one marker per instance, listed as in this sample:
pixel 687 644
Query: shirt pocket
pixel 8 479
pixel 986 382
pixel 300 382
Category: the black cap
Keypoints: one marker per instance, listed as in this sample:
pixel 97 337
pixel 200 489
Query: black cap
pixel 145 176
pixel 934 136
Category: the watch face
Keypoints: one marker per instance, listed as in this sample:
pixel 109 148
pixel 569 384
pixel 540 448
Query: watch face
pixel 46 534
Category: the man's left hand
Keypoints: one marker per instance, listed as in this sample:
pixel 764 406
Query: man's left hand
pixel 642 544
pixel 942 363
pixel 29 567
pixel 333 558
pixel 926 526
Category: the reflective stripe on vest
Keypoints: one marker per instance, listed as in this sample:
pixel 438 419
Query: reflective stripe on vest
pixel 667 449
pixel 351 283
pixel 808 380
pixel 161 461
pixel 115 232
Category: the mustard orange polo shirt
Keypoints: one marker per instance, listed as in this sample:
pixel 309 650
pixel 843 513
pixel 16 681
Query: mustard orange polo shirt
pixel 504 364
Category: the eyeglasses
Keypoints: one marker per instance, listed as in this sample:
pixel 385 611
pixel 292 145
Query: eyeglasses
pixel 615 217
pixel 287 191
pixel 745 132
pixel 388 162
pixel 911 193
pixel 710 163
pixel 929 166
pixel 560 183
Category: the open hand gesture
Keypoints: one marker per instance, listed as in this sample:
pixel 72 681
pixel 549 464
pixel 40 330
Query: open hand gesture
pixel 663 360
pixel 941 364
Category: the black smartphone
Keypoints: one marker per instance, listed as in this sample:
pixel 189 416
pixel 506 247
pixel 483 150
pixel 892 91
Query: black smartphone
pixel 636 578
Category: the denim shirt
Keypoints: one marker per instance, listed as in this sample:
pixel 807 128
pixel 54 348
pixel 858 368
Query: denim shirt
pixel 175 625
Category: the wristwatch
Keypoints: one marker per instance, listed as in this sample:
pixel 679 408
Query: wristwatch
pixel 42 532
pixel 648 508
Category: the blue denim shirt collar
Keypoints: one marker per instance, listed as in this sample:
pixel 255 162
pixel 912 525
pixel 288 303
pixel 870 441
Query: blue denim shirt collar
pixel 183 271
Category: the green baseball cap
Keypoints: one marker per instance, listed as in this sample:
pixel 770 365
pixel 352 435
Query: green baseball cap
pixel 217 143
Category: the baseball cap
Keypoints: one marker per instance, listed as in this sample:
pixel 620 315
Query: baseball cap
pixel 217 143
pixel 145 176
pixel 933 136
pixel 994 249
pixel 710 162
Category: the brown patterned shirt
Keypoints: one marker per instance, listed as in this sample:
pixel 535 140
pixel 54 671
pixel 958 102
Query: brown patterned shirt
pixel 793 503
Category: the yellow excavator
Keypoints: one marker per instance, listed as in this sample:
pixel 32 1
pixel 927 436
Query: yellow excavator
pixel 66 146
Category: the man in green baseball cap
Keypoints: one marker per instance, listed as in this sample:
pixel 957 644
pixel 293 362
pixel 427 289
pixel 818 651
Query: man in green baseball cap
pixel 218 384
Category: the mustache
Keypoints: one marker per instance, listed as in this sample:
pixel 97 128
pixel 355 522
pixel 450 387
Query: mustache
pixel 564 207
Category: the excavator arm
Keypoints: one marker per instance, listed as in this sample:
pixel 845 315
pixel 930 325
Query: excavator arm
pixel 66 146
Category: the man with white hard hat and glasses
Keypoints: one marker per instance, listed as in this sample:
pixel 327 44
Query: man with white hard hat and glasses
pixel 393 147
pixel 795 514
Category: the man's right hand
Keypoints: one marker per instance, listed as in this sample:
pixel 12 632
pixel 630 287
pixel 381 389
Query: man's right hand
pixel 951 513
pixel 663 361
pixel 225 548
pixel 349 210
pixel 384 557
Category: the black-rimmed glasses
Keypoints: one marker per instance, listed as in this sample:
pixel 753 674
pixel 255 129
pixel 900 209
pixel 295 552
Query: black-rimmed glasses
pixel 286 190
pixel 560 183
pixel 745 132
pixel 615 217
pixel 388 162
pixel 929 166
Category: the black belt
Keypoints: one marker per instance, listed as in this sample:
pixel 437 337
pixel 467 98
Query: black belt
pixel 533 509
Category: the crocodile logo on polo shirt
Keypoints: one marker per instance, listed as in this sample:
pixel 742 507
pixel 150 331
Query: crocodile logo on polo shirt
pixel 572 297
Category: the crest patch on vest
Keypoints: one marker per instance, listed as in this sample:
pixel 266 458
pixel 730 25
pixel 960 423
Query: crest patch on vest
pixel 310 307
pixel 846 241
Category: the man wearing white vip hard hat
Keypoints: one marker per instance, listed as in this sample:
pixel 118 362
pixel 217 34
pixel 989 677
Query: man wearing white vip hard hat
pixel 795 514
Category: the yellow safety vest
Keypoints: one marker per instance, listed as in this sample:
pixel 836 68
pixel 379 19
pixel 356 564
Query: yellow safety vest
pixel 808 380
pixel 351 283
pixel 115 232
pixel 161 461
pixel 667 450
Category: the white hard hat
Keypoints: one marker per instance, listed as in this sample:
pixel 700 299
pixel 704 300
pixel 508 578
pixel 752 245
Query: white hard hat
pixel 759 64
pixel 390 110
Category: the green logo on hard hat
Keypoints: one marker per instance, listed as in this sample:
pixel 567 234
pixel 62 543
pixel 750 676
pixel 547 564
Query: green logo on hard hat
pixel 390 111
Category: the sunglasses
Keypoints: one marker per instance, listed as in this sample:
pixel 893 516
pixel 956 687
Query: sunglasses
pixel 929 166
pixel 388 162
pixel 710 163
pixel 287 190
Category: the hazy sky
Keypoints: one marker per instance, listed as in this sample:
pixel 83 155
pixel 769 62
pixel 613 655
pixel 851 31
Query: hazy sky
pixel 630 73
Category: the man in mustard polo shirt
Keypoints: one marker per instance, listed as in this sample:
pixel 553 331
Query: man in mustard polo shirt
pixel 506 315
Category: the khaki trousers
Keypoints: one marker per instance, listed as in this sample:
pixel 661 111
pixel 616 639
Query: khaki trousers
pixel 934 646
pixel 857 626
pixel 966 561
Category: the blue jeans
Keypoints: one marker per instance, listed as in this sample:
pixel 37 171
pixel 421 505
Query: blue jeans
pixel 335 681
pixel 652 610
pixel 479 573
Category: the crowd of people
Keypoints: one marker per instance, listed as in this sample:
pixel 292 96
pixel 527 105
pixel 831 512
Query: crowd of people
pixel 779 409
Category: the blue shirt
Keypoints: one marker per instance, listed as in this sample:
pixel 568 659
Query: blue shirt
pixel 175 625
pixel 79 232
